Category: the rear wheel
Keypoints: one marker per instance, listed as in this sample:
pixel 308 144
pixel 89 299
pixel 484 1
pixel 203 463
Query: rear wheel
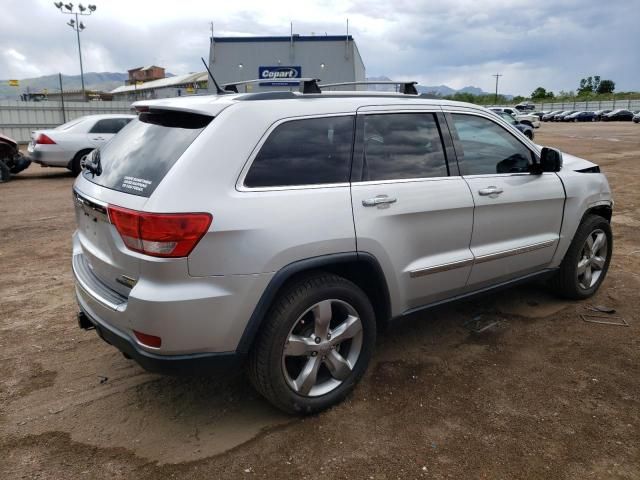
pixel 529 134
pixel 315 345
pixel 586 263
pixel 76 163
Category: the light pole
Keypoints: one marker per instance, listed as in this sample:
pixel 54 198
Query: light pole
pixel 78 27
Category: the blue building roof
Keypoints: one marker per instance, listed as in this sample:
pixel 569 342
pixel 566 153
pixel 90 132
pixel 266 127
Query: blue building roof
pixel 296 38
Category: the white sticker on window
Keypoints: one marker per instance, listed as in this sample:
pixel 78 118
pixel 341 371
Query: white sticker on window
pixel 136 184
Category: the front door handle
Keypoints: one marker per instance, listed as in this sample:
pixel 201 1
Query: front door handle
pixel 379 201
pixel 490 191
pixel 98 138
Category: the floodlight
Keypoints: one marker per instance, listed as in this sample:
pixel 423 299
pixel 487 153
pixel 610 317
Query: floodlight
pixel 71 23
pixel 81 7
pixel 92 8
pixel 81 26
pixel 58 4
pixel 68 6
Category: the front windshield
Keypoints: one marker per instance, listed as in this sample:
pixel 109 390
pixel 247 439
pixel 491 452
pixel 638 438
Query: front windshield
pixel 508 118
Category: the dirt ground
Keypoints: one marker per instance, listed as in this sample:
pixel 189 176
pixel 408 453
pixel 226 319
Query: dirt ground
pixel 541 395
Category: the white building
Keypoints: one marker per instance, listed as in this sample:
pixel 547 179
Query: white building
pixel 279 61
pixel 176 86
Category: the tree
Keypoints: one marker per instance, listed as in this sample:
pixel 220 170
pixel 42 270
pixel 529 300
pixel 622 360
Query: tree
pixel 606 86
pixel 586 86
pixel 591 85
pixel 541 94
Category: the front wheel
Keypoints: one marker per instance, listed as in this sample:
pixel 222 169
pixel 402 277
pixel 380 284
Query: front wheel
pixel 315 345
pixel 586 263
pixel 5 173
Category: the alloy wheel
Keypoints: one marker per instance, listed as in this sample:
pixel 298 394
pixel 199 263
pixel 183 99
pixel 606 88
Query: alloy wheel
pixel 322 348
pixel 592 259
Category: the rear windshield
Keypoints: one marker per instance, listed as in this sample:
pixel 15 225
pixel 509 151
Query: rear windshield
pixel 138 158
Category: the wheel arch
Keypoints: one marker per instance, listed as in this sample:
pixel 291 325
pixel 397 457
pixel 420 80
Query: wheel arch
pixel 604 211
pixel 360 268
pixel 79 153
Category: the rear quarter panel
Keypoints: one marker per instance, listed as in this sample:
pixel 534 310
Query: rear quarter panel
pixel 252 231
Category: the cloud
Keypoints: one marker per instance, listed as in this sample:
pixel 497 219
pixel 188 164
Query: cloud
pixel 455 42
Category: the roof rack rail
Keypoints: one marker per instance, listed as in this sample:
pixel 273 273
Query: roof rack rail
pixel 307 85
pixel 407 88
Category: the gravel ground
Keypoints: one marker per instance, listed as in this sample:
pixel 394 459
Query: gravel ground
pixel 541 395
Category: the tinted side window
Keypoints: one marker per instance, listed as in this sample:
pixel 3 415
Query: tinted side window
pixel 109 125
pixel 402 145
pixel 304 152
pixel 484 147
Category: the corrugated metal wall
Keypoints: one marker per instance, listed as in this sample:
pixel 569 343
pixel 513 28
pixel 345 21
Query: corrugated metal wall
pixel 18 119
pixel 588 106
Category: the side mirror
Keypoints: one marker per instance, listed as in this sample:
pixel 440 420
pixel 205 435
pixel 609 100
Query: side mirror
pixel 550 161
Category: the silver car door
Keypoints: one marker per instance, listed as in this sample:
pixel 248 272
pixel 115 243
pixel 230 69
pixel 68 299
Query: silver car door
pixel 517 215
pixel 409 211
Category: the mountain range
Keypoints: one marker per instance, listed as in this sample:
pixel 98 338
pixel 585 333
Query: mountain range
pixel 103 81
pixel 440 90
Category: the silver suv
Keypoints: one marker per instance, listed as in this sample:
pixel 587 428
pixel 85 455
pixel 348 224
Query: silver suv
pixel 278 230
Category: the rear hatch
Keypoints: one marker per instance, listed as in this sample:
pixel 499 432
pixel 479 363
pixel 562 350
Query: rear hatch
pixel 124 173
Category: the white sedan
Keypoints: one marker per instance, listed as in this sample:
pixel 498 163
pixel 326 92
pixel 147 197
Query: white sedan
pixel 523 117
pixel 66 145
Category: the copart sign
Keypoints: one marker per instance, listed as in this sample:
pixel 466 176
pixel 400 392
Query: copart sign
pixel 279 76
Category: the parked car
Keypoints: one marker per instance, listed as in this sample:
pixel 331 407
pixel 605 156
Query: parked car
pixel 12 161
pixel 599 114
pixel 539 114
pixel 561 116
pixel 218 229
pixel 636 118
pixel 525 107
pixel 580 117
pixel 526 129
pixel 548 117
pixel 620 115
pixel 526 118
pixel 66 145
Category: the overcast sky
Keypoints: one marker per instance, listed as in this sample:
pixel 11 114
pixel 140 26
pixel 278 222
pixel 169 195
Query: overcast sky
pixel 454 42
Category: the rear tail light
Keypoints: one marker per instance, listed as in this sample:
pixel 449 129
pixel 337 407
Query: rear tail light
pixel 43 139
pixel 148 340
pixel 170 235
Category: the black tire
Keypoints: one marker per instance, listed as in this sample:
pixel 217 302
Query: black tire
pixel 566 282
pixel 529 134
pixel 75 166
pixel 5 173
pixel 266 365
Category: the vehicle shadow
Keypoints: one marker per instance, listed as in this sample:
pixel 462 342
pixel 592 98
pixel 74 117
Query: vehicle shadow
pixel 197 417
pixel 49 174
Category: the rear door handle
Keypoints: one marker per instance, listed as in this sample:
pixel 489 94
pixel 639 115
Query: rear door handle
pixel 490 191
pixel 379 201
pixel 98 138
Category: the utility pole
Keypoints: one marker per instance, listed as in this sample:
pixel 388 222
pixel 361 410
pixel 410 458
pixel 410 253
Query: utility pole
pixel 497 75
pixel 78 27
pixel 64 115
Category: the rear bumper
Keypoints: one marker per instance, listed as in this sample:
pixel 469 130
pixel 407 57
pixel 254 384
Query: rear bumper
pixel 198 363
pixel 49 158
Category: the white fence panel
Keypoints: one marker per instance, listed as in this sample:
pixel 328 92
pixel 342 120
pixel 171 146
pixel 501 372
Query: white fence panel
pixel 18 119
